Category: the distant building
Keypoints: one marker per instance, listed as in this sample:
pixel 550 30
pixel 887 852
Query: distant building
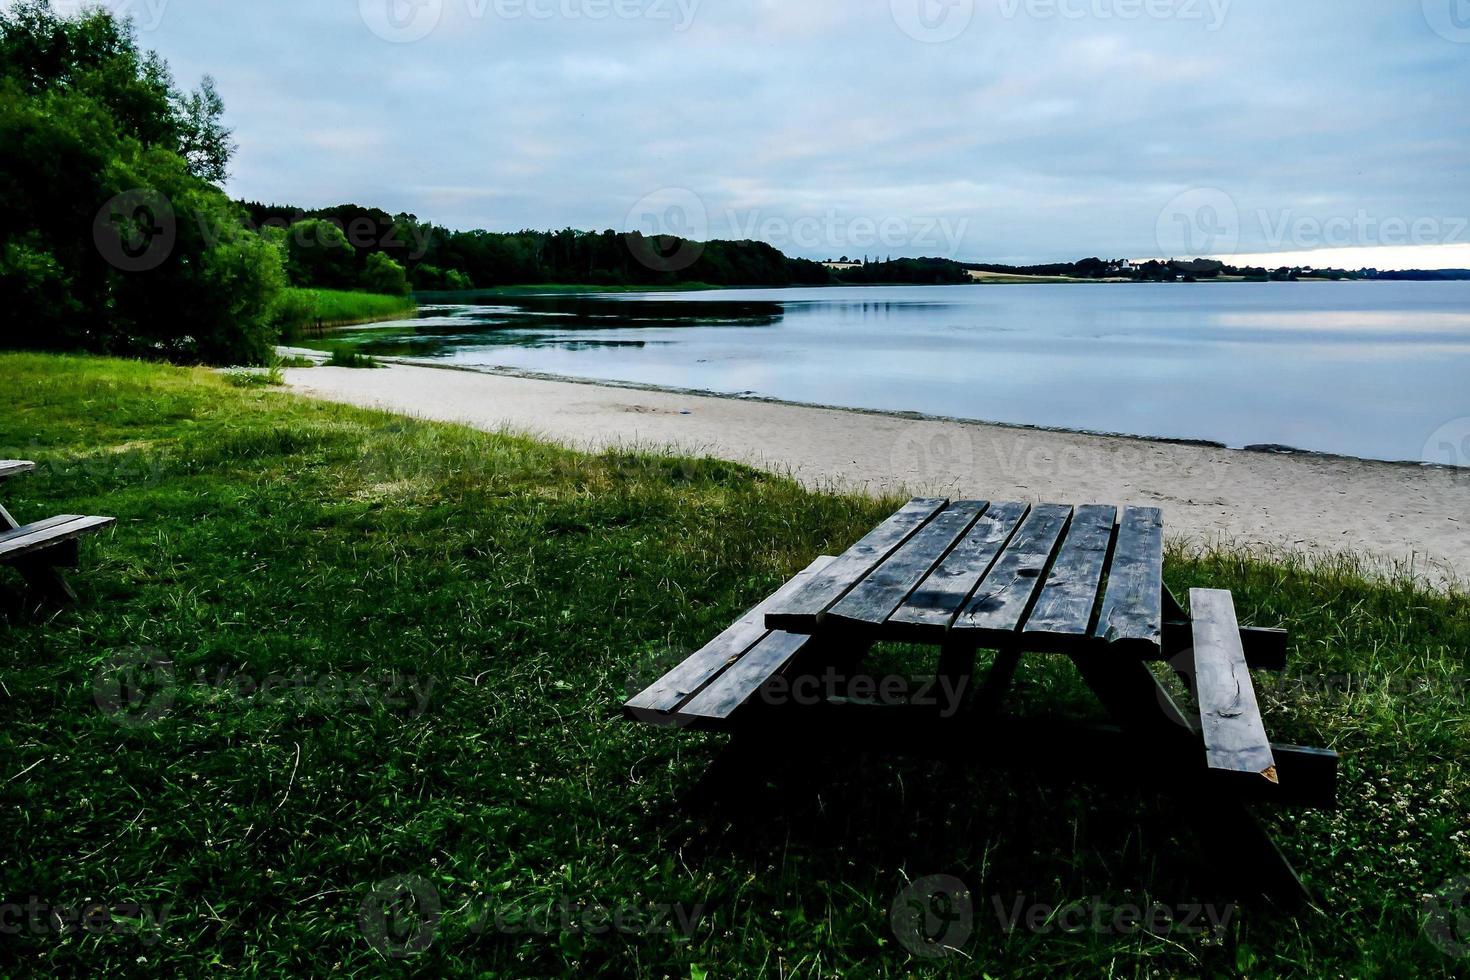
pixel 843 265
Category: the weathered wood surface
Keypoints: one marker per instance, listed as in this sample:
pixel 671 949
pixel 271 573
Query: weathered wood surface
pixel 1004 595
pixel 13 467
pixel 1132 613
pixel 932 607
pixel 1235 736
pixel 671 690
pixel 1064 609
pixel 800 611
pixel 877 596
pixel 1265 649
pixel 733 688
pixel 22 541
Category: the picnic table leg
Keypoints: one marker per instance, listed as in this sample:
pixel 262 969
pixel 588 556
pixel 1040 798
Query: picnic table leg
pixel 39 571
pixel 1236 841
pixel 991 694
pixel 957 661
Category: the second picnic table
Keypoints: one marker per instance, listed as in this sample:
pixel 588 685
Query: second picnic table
pixel 1085 582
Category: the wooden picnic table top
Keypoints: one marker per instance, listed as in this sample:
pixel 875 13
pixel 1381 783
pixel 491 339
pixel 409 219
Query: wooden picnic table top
pixel 1043 577
pixel 14 467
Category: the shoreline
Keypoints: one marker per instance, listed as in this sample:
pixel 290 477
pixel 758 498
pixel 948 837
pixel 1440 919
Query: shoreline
pixel 913 416
pixel 1404 517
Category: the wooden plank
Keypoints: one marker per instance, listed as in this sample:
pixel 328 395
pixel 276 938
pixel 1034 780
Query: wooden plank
pixel 50 522
pixel 32 538
pixel 743 680
pixel 1064 610
pixel 1235 736
pixel 684 681
pixel 800 611
pixel 875 598
pixel 1132 613
pixel 1004 596
pixel 928 612
pixel 1265 649
pixel 14 467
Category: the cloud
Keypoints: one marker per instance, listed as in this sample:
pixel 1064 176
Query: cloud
pixel 1053 136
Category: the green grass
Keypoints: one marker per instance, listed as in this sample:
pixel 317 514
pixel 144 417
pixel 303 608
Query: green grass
pixel 339 307
pixel 350 359
pixel 260 534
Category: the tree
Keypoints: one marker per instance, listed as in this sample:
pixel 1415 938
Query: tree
pixel 318 254
pixel 383 275
pixel 203 139
pixel 112 238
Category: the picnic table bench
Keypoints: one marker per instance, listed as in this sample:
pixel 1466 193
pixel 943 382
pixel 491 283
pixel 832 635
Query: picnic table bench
pixel 38 550
pixel 1083 582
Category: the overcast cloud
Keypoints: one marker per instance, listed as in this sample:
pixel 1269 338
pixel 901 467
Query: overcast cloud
pixel 1002 130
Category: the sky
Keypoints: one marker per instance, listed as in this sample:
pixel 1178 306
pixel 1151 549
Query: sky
pixel 983 130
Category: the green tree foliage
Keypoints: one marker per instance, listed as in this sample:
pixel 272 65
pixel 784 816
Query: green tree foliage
pixel 318 254
pixel 382 275
pixel 112 237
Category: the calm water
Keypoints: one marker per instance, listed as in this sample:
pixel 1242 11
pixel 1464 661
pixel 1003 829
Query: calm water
pixel 1364 369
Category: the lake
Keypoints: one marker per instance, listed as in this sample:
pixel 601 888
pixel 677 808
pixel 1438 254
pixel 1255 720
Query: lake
pixel 1372 369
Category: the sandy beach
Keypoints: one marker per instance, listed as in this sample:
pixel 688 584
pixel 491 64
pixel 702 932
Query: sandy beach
pixel 1397 515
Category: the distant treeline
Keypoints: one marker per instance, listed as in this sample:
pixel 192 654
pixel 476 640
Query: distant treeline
pixel 1193 270
pixel 438 258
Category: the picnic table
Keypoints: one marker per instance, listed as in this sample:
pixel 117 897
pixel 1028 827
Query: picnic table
pixel 1083 582
pixel 39 550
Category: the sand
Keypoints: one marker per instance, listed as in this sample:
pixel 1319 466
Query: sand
pixel 1397 516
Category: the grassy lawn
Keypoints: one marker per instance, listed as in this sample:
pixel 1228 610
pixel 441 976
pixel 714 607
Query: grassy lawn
pixel 397 653
pixel 342 307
